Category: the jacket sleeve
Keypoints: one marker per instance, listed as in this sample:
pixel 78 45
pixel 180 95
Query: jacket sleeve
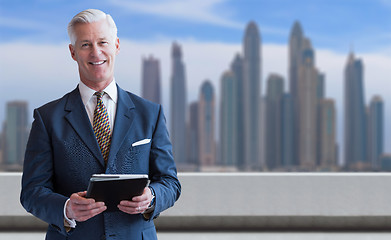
pixel 37 195
pixel 163 171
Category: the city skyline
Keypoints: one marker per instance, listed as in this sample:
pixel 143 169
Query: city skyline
pixel 205 57
pixel 313 134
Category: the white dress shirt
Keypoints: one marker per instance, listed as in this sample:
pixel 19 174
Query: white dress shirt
pixel 109 100
pixel 90 101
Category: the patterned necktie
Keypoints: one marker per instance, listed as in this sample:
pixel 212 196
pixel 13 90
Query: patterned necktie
pixel 101 126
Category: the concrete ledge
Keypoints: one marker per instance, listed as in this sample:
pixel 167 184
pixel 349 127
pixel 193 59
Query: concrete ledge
pixel 273 223
pixel 237 223
pixel 252 201
pixel 22 223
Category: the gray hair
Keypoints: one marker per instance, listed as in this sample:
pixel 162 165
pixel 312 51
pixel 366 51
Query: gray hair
pixel 90 16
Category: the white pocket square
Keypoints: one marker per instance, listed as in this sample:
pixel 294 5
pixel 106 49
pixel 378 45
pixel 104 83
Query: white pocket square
pixel 141 142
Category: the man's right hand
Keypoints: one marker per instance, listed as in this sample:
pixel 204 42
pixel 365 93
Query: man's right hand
pixel 81 209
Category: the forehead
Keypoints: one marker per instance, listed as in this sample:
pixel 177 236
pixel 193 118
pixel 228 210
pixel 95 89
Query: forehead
pixel 91 31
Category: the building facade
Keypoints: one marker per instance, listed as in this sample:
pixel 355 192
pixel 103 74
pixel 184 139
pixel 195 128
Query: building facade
pixel 193 159
pixel 251 96
pixel 287 132
pixel 15 135
pixel 274 134
pixel 228 117
pixel 178 106
pixel 375 131
pixel 151 82
pixel 308 104
pixel 206 126
pixel 355 119
pixel 237 70
pixel 327 148
pixel 295 59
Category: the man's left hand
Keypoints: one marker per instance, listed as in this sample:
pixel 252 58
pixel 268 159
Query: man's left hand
pixel 138 204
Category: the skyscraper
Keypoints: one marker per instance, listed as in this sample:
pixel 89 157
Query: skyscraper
pixel 320 96
pixel 151 80
pixel 307 106
pixel 287 132
pixel 193 137
pixel 16 134
pixel 327 149
pixel 385 161
pixel 206 126
pixel 375 131
pixel 228 125
pixel 274 98
pixel 251 96
pixel 237 70
pixel 295 59
pixel 355 126
pixel 2 146
pixel 178 106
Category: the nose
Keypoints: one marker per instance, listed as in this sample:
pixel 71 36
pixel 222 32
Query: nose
pixel 95 50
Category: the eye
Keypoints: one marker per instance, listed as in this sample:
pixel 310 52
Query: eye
pixel 84 45
pixel 104 43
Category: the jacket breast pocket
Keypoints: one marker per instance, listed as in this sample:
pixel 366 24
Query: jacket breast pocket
pixel 136 160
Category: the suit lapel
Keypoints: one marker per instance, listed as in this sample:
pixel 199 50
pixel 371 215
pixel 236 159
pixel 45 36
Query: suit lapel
pixel 123 121
pixel 78 118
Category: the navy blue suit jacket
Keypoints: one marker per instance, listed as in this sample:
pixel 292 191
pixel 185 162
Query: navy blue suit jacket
pixel 62 153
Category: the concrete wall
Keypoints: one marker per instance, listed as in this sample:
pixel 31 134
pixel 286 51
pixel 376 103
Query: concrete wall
pixel 253 201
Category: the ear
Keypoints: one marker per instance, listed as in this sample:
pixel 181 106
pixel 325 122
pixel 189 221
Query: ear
pixel 72 50
pixel 117 46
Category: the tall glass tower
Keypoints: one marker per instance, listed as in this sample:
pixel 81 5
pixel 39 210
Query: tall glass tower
pixel 193 137
pixel 251 96
pixel 206 126
pixel 308 104
pixel 295 59
pixel 327 125
pixel 355 122
pixel 178 106
pixel 237 70
pixel 287 132
pixel 228 126
pixel 274 98
pixel 375 131
pixel 151 79
pixel 16 134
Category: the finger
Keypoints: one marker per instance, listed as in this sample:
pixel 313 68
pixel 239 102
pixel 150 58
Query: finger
pixel 140 198
pixel 133 204
pixel 87 207
pixel 82 194
pixel 143 197
pixel 88 211
pixel 78 198
pixel 132 210
pixel 85 215
pixel 133 207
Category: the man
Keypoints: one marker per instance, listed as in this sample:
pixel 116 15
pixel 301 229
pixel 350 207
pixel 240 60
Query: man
pixel 65 146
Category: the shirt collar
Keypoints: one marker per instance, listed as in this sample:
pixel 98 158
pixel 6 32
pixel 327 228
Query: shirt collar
pixel 86 93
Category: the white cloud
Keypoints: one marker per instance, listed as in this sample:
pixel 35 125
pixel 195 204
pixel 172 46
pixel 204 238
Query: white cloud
pixel 19 23
pixel 205 11
pixel 41 73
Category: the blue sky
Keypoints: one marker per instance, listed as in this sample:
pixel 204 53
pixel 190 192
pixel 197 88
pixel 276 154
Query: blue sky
pixel 36 65
pixel 336 24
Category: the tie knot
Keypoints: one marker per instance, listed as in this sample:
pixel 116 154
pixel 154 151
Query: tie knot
pixel 99 95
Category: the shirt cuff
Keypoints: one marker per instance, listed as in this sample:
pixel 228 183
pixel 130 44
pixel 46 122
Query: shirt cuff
pixel 148 213
pixel 68 222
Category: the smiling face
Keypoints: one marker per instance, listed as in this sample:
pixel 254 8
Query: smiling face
pixel 94 51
